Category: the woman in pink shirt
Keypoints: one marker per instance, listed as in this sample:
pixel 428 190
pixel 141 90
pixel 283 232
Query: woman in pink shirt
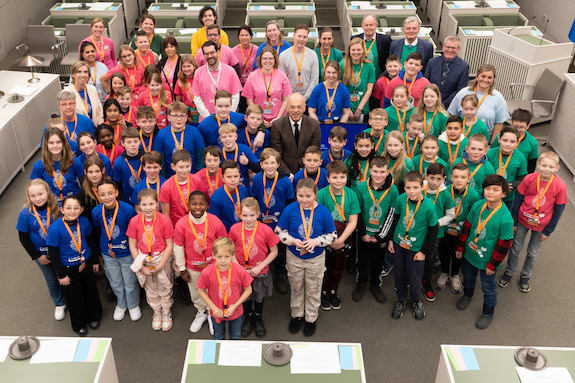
pixel 128 66
pixel 268 87
pixel 105 51
pixel 245 51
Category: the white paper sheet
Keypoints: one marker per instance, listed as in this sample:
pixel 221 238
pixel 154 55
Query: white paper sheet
pixel 177 5
pixel 315 359
pixel 99 6
pixel 194 7
pixel 497 4
pixel 22 90
pixel 188 31
pixel 68 5
pixel 161 30
pixel 293 8
pixel 4 347
pixel 265 8
pixel 240 354
pixel 483 33
pixel 464 4
pixel 55 351
pixel 395 7
pixel 548 375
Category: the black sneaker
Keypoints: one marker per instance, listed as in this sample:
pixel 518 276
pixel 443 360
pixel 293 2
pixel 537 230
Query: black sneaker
pixel 325 305
pixel 378 294
pixel 428 291
pixel 282 283
pixel 418 311
pixel 334 301
pixel 309 328
pixel 357 294
pixel 295 325
pixel 259 326
pixel 386 270
pixel 463 303
pixel 94 325
pixel 398 309
pixel 247 325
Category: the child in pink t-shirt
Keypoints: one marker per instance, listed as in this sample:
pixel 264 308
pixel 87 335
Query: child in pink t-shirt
pixel 225 285
pixel 410 77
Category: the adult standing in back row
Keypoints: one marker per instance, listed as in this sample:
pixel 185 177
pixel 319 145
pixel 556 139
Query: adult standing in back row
pixel 207 16
pixel 375 45
pixel 409 44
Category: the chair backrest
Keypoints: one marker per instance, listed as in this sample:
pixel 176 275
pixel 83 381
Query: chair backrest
pixel 548 86
pixel 75 33
pixel 41 38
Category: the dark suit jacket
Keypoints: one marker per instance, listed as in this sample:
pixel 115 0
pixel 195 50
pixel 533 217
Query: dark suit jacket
pixel 424 47
pixel 283 140
pixel 382 43
pixel 456 80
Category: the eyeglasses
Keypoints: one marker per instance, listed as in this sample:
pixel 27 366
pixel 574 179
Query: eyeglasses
pixel 378 119
pixel 445 48
pixel 178 116
pixel 213 34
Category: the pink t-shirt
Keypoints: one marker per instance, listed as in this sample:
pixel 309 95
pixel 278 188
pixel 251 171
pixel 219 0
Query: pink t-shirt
pixel 415 92
pixel 133 76
pixel 112 154
pixel 214 183
pixel 162 230
pixel 256 89
pixel 227 56
pixel 380 88
pixel 179 204
pixel 161 112
pixel 206 84
pixel 240 279
pixel 263 240
pixel 106 47
pixel 185 93
pixel 249 56
pixel 184 236
pixel 556 195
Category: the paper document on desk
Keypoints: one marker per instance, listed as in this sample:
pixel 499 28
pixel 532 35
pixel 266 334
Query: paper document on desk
pixel 90 350
pixel 462 358
pixel 202 352
pixel 5 347
pixel 55 351
pixel 464 4
pixel 315 359
pixel 548 375
pixel 100 6
pixel 22 90
pixel 350 358
pixel 241 354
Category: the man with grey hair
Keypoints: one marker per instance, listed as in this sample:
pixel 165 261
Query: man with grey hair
pixel 409 44
pixel 375 45
pixel 448 71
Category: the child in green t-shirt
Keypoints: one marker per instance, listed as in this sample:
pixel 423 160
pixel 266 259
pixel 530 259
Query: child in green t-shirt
pixel 474 157
pixel 452 141
pixel 484 243
pixel 400 109
pixel 414 231
pixel 378 121
pixel 398 161
pixel 414 135
pixel 429 150
pixel 471 123
pixel 358 162
pixel 431 108
pixel 344 206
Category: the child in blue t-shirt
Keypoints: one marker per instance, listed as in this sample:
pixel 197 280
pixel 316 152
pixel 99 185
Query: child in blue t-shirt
pixel 312 169
pixel 87 145
pixel 248 135
pixel 209 127
pixel 330 100
pixel 128 166
pixel 306 227
pixel 226 201
pixel 337 140
pixel 152 166
pixel 239 153
pixel 56 121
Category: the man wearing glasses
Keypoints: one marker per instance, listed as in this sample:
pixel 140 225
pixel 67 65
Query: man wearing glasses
pixel 227 56
pixel 448 71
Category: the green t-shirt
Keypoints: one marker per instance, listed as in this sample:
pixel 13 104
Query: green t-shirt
pixel 350 203
pixel 379 142
pixel 407 167
pixel 528 146
pixel 367 76
pixel 462 206
pixel 442 204
pixel 156 45
pixel 425 216
pixel 500 226
pixel 393 118
pixel 517 167
pixel 373 215
pixel 455 150
pixel 373 55
pixel 411 145
pixel 476 180
pixel 334 54
pixel 421 165
pixel 354 182
pixel 478 127
pixel 406 51
pixel 438 123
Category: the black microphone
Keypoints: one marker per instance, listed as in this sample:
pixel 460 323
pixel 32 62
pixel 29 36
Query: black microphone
pixel 544 30
pixel 515 26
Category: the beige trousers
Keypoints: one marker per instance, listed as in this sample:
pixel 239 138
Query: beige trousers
pixel 305 279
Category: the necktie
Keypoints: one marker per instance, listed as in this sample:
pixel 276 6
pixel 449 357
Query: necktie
pixel 296 133
pixel 445 73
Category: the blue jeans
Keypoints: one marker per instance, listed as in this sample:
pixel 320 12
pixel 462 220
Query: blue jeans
pixel 234 328
pixel 123 281
pixel 487 284
pixel 517 246
pixel 53 283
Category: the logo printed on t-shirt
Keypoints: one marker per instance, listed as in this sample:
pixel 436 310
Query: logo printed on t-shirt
pixel 541 201
pixel 224 287
pixel 55 184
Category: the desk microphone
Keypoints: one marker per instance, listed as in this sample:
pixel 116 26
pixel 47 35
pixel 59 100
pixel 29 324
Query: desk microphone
pixel 515 26
pixel 544 30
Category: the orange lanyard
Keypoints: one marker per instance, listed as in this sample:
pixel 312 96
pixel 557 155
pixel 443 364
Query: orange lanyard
pixel 235 156
pixel 500 169
pixel 210 181
pixel 519 141
pixel 376 203
pixel 184 200
pixel 248 249
pixel 427 125
pixel 341 210
pixel 169 68
pixel 96 195
pixel 59 182
pixel 393 167
pixel 481 225
pixel 268 86
pixel 379 141
pixel 236 206
pixel 129 119
pixel 45 229
pixel 149 148
pixel 453 157
pixel 307 228
pixel 475 171
pixel 71 136
pixel 101 52
pixel 77 244
pixel 189 88
pixel 399 119
pixel 227 290
pixel 371 46
pixel 539 196
pixel 157 188
pixel 363 173
pixel 324 62
pixel 482 98
pixel 150 235
pixel 201 243
pixel 249 140
pixel 298 64
pixel 410 85
pixel 136 176
pixel 460 202
pixel 110 230
pixel 436 193
pixel 466 133
pixel 331 157
pixel 410 220
pixel 180 144
pixel 84 100
pixel 356 79
pixel 330 100
pixel 111 152
pixel 147 62
pixel 267 198
pixel 316 177
pixel 156 111
pixel 421 163
pixel 410 154
pixel 95 76
pixel 220 121
pixel 132 78
pixel 246 62
pixel 117 134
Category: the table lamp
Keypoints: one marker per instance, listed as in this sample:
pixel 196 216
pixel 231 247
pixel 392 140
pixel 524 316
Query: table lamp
pixel 30 61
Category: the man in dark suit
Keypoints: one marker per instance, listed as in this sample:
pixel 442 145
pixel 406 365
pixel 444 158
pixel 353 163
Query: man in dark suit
pixel 409 44
pixel 375 45
pixel 448 71
pixel 292 134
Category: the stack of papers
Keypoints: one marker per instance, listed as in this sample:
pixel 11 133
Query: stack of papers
pixel 462 358
pixel 55 351
pixel 100 6
pixel 548 375
pixel 241 354
pixel 202 352
pixel 315 359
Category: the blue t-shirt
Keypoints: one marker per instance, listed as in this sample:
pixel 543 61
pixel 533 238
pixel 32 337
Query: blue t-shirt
pixel 193 143
pixel 282 193
pixel 70 180
pixel 143 185
pixel 119 240
pixel 222 207
pixel 209 127
pixel 318 100
pixel 84 124
pixel 27 223
pixel 291 221
pixel 107 163
pixel 59 237
pixel 326 159
pixel 321 182
pixel 84 96
pixel 285 45
pixel 242 149
pixel 243 139
pixel 123 174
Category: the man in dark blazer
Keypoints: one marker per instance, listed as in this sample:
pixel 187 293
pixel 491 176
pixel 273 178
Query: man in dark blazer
pixel 382 43
pixel 403 47
pixel 284 131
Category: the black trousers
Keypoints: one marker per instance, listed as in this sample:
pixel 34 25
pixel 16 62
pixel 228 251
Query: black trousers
pixel 370 262
pixel 81 297
pixel 450 264
pixel 407 272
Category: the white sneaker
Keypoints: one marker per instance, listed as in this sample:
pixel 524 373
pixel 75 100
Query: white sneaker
pixel 135 313
pixel 210 323
pixel 441 281
pixel 119 313
pixel 60 312
pixel 167 321
pixel 456 284
pixel 157 320
pixel 196 325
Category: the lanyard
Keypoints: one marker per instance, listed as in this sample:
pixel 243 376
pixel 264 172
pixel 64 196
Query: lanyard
pixel 410 154
pixel 410 220
pixel 210 181
pixel 180 144
pixel 149 148
pixel 331 157
pixel 77 244
pixel 481 225
pixel 184 200
pixel 136 176
pixel 150 235
pixel 298 64
pixel 460 202
pixel 475 171
pixel 500 169
pixel 249 247
pixel 519 141
pixel 236 206
pixel 376 203
pixel 129 115
pixel 110 230
pixel 156 111
pixel 235 156
pixel 45 229
pixel 268 86
pixel 324 62
pixel 371 46
pixel 117 134
pixel 436 193
pixel 157 187
pixel 363 173
pixel 96 195
pixel 427 125
pixel 421 163
pixel 132 78
pixel 189 88
pixel 316 177
pixel 147 62
pixel 84 100
pixel 410 85
pixel 482 98
pixel 95 76
pixel 341 210
pixel 466 133
pixel 59 182
pixel 101 52
pixel 227 290
pixel 394 166
pixel 356 79
pixel 379 141
pixel 111 152
pixel 399 119
pixel 169 68
pixel 307 228
pixel 201 243
pixel 71 136
pixel 246 62
pixel 330 100
pixel 220 121
pixel 217 81
pixel 249 140
pixel 539 196
pixel 267 198
pixel 453 157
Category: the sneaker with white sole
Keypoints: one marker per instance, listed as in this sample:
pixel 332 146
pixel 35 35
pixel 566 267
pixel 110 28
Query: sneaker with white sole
pixel 119 313
pixel 198 322
pixel 441 281
pixel 456 286
pixel 60 312
pixel 157 320
pixel 167 321
pixel 210 324
pixel 135 313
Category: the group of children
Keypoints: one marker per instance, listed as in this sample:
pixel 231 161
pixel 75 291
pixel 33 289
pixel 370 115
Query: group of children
pixel 413 187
